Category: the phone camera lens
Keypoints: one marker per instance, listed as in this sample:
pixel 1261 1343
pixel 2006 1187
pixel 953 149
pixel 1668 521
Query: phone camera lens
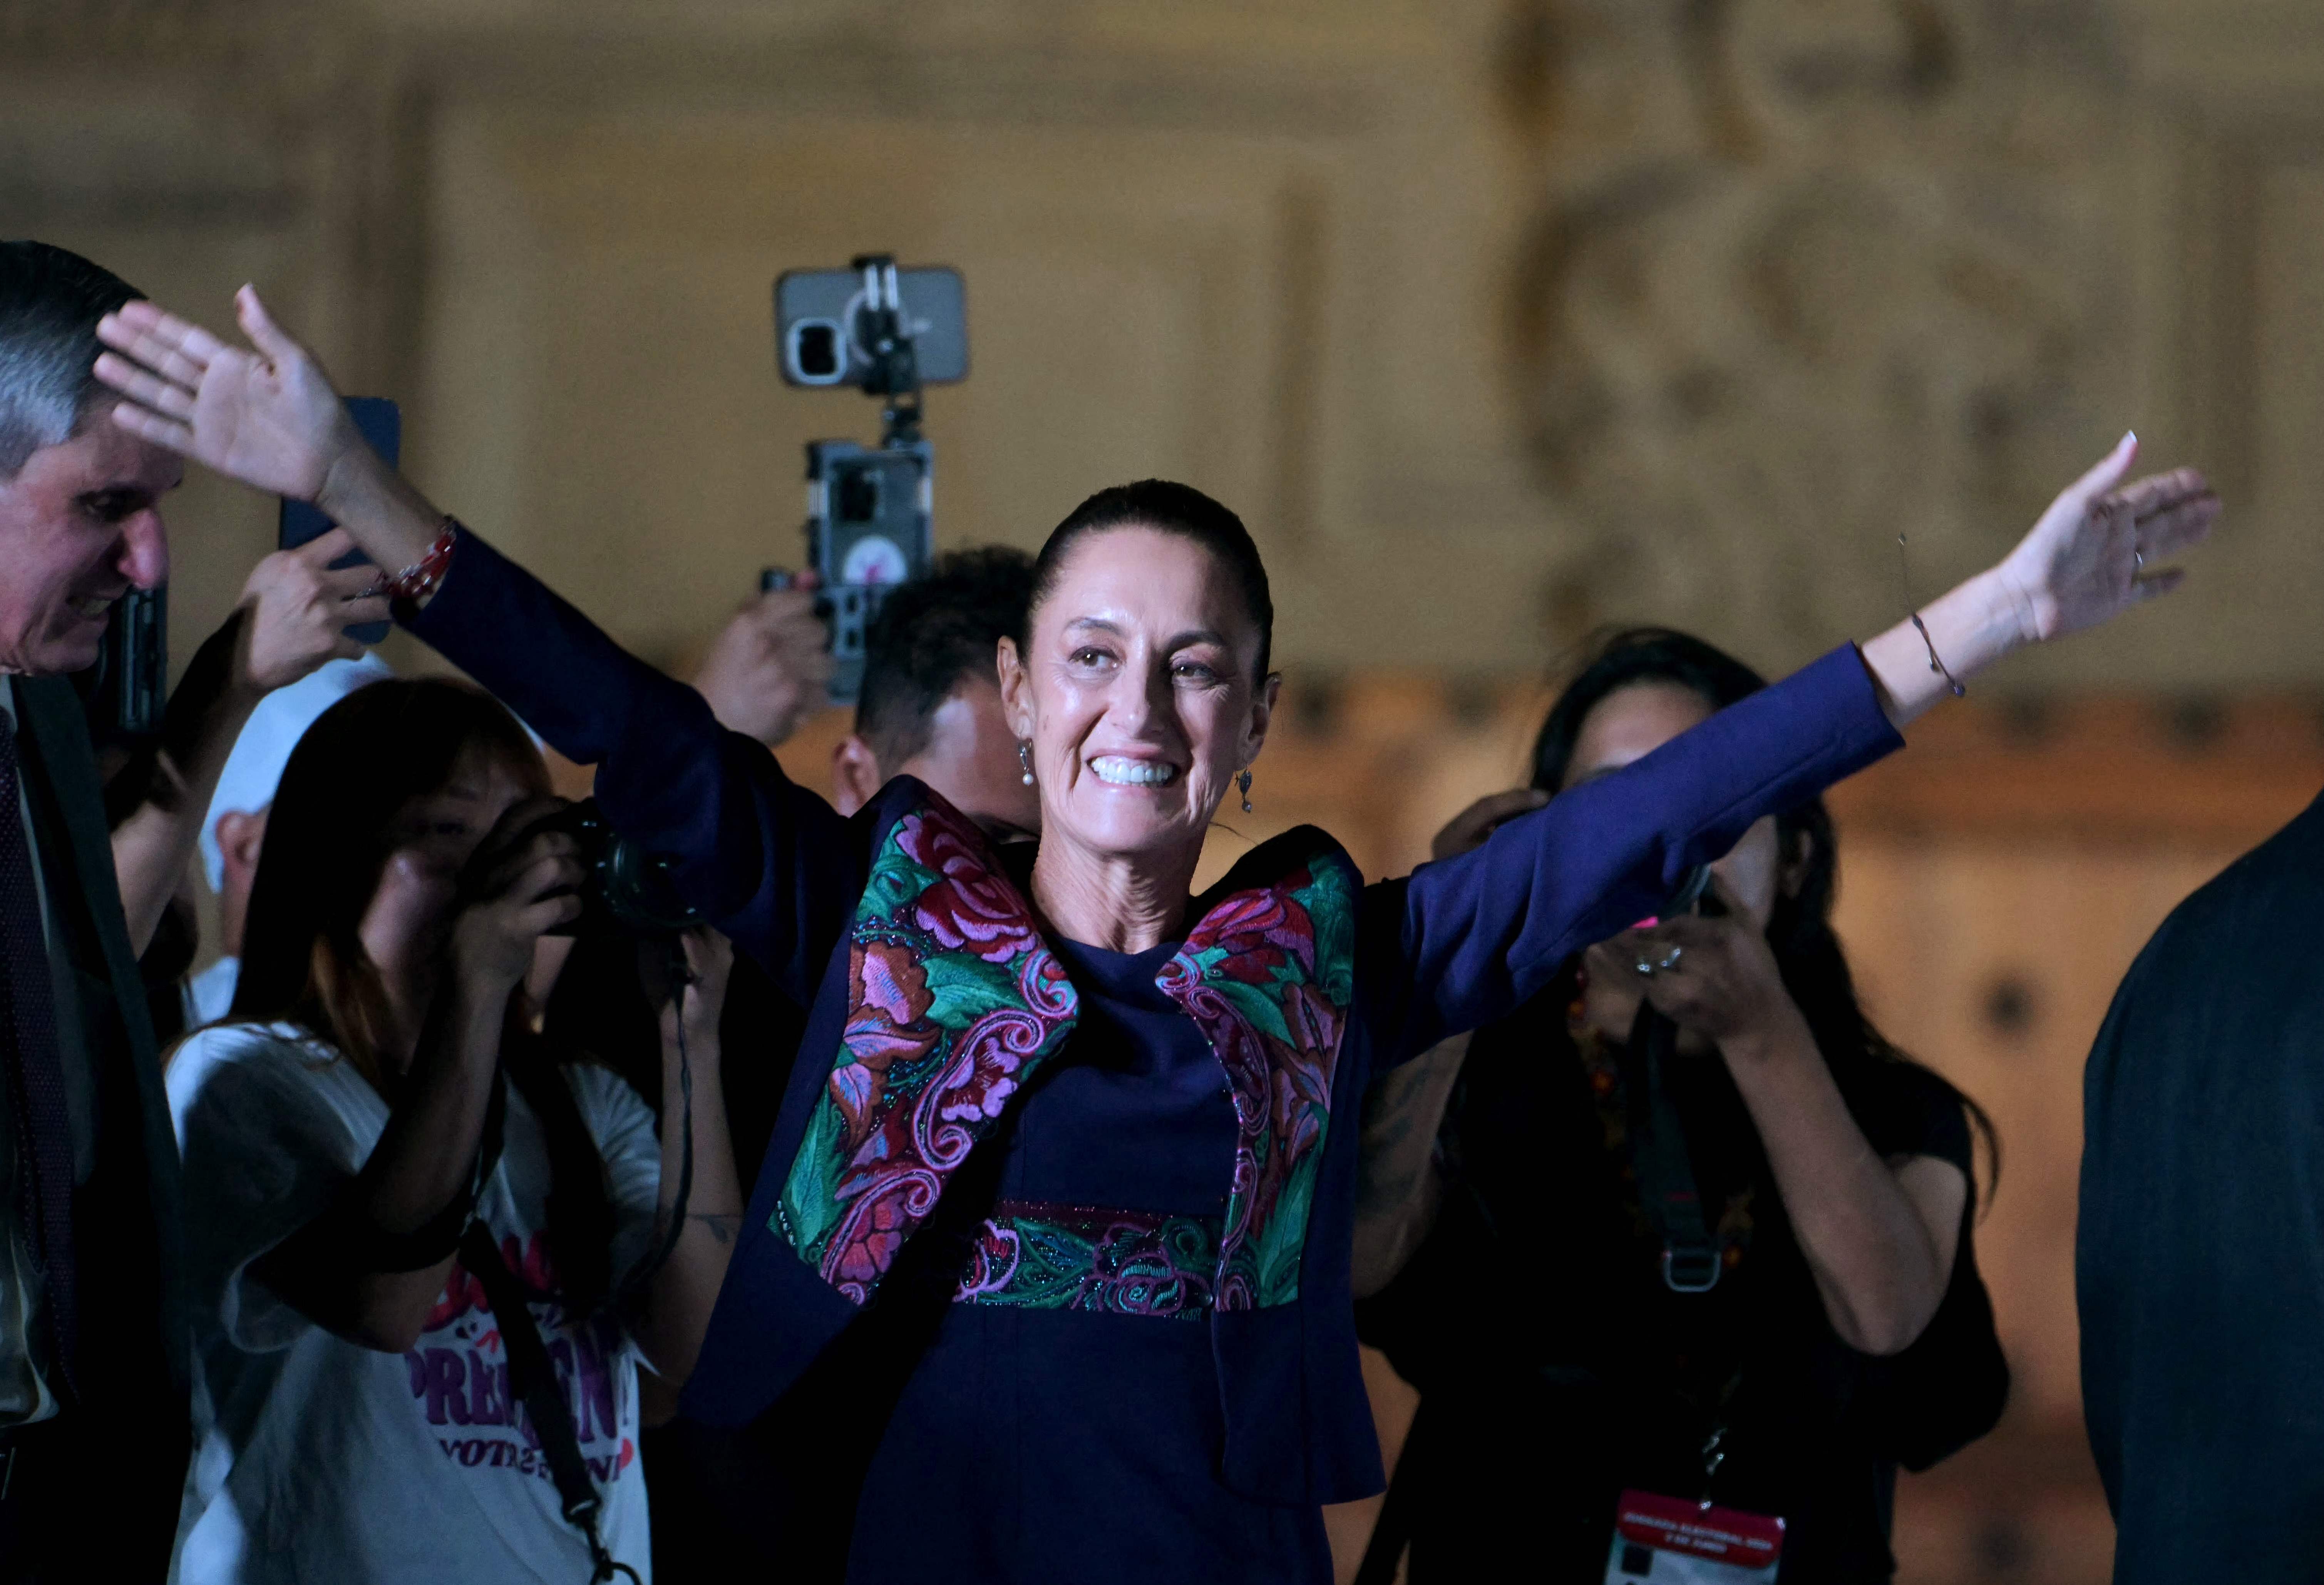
pixel 817 355
pixel 859 497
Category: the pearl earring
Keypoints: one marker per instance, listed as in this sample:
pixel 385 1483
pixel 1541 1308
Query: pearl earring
pixel 1245 782
pixel 1025 759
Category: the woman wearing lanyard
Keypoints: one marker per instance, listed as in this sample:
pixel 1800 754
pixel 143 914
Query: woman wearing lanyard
pixel 1103 1117
pixel 1749 1354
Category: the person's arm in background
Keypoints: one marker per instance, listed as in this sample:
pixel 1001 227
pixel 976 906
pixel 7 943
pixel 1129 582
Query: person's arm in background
pixel 678 1306
pixel 1879 1236
pixel 771 665
pixel 426 1157
pixel 1479 934
pixel 769 862
pixel 1397 1186
pixel 292 617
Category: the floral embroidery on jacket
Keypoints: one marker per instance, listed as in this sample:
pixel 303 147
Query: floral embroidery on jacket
pixel 1039 1256
pixel 954 1002
pixel 1268 976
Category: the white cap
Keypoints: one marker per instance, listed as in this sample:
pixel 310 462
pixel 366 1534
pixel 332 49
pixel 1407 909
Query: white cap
pixel 254 769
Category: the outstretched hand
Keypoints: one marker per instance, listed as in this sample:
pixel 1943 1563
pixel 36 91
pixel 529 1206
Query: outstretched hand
pixel 268 417
pixel 2100 547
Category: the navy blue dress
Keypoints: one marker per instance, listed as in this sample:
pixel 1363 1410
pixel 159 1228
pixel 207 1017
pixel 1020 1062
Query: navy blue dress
pixel 1131 1177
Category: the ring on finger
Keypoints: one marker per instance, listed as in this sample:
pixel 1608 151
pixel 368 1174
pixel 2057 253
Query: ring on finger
pixel 1671 963
pixel 1646 968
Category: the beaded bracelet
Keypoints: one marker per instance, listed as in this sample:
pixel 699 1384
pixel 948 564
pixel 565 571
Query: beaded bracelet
pixel 407 589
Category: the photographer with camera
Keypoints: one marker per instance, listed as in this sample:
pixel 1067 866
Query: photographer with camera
pixel 431 1247
pixel 93 1365
pixel 1776 1353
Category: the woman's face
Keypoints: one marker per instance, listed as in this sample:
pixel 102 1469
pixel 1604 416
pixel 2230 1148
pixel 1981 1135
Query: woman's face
pixel 403 929
pixel 1136 691
pixel 1632 723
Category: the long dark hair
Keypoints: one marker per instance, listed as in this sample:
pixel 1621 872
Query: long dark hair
pixel 1808 952
pixel 329 834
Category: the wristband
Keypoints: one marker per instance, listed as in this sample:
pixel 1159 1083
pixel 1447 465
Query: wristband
pixel 409 589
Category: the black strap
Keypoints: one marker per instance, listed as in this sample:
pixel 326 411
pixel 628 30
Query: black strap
pixel 532 1380
pixel 1666 1187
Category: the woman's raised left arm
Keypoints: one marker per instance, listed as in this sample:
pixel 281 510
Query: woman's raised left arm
pixel 1479 934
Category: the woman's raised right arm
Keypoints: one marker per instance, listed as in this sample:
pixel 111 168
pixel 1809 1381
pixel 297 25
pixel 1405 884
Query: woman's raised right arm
pixel 772 864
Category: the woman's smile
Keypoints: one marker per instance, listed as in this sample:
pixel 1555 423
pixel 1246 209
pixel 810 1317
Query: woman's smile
pixel 1130 770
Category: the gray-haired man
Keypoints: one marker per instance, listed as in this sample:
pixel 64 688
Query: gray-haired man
pixel 93 1330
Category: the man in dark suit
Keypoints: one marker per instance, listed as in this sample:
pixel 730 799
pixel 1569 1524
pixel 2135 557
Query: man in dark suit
pixel 94 1331
pixel 2199 1261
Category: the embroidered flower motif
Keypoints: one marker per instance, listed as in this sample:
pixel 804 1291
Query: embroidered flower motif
pixel 972 907
pixel 1256 930
pixel 1255 978
pixel 953 999
pixel 983 1074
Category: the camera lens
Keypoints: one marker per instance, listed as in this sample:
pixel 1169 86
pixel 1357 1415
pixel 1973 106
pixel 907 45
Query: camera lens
pixel 815 352
pixel 858 496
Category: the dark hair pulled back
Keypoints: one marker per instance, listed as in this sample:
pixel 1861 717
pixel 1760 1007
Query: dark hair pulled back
pixel 1170 509
pixel 1808 952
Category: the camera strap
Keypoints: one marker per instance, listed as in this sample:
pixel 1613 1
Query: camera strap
pixel 677 974
pixel 532 1381
pixel 1658 1153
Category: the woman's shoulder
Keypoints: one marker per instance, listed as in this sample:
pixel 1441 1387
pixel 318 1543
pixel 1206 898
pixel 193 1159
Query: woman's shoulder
pixel 243 1047
pixel 273 1078
pixel 1908 1109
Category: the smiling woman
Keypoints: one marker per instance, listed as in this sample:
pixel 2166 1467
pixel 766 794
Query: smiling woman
pixel 1048 1275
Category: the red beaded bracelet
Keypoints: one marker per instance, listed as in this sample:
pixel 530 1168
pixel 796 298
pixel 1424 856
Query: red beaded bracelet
pixel 414 583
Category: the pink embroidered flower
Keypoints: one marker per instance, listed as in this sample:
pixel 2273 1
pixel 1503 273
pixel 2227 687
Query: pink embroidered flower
pixel 867 1246
pixel 1258 931
pixel 972 907
pixel 986 1063
pixel 891 995
pixel 891 979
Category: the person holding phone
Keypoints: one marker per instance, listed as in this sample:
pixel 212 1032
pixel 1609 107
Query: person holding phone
pixel 1833 1175
pixel 1065 1141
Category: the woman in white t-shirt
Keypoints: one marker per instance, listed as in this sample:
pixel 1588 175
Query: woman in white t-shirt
pixel 378 1084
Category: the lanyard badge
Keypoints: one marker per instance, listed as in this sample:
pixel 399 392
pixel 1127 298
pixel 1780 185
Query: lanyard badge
pixel 1670 1541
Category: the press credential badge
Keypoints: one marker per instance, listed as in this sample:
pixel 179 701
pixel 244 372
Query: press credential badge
pixel 1669 1540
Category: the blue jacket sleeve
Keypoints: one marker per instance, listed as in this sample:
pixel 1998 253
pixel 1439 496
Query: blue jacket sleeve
pixel 772 864
pixel 1478 934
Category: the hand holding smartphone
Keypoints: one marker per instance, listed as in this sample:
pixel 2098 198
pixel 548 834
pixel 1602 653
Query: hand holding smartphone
pixel 381 423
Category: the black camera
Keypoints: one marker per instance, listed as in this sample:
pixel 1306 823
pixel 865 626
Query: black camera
pixel 624 889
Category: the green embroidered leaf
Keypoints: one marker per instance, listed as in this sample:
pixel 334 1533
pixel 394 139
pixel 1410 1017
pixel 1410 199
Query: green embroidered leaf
pixel 1331 904
pixel 808 1206
pixel 966 988
pixel 1264 1011
pixel 1285 1238
pixel 895 881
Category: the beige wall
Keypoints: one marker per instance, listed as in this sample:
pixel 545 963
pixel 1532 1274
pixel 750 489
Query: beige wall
pixel 1496 317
